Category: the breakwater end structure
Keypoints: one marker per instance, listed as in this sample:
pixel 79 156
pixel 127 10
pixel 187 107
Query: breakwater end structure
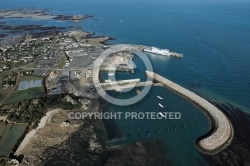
pixel 222 130
pixel 175 54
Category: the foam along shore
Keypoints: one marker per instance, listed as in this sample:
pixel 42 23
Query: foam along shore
pixel 33 132
pixel 222 134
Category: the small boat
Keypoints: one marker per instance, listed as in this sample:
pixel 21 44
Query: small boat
pixel 159 97
pixel 111 74
pixel 161 105
pixel 149 134
pixel 108 81
pixel 138 91
pixel 162 114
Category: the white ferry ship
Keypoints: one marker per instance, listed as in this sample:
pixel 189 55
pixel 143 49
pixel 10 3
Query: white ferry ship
pixel 155 50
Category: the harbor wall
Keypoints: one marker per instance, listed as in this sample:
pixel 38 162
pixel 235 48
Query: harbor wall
pixel 221 133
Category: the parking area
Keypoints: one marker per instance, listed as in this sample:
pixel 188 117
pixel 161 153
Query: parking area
pixel 43 66
pixel 47 63
pixel 80 63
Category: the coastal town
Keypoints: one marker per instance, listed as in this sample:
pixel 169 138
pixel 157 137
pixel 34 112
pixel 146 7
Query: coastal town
pixel 43 74
pixel 40 67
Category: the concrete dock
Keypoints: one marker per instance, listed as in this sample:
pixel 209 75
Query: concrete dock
pixel 175 54
pixel 120 82
pixel 131 85
pixel 222 131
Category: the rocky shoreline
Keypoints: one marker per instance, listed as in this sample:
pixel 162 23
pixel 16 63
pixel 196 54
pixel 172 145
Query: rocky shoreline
pixel 35 30
pixel 39 14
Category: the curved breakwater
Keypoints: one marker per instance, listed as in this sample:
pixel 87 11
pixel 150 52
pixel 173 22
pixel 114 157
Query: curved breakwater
pixel 222 133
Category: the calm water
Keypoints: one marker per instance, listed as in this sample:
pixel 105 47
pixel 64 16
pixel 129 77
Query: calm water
pixel 179 135
pixel 214 38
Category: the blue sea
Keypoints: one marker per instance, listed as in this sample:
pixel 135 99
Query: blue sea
pixel 213 36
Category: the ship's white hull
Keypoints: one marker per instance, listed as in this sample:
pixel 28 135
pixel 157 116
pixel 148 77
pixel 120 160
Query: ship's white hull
pixel 156 52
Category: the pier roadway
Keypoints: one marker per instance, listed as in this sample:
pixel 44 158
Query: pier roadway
pixel 120 82
pixel 131 85
pixel 222 131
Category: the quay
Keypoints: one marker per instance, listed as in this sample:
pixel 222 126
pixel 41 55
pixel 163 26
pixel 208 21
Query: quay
pixel 97 67
pixel 131 85
pixel 120 82
pixel 120 69
pixel 175 54
pixel 221 134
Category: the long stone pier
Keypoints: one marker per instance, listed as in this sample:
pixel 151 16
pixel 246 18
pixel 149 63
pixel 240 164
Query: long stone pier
pixel 120 82
pixel 222 131
pixel 131 85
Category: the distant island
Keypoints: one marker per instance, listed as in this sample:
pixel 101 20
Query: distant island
pixel 39 14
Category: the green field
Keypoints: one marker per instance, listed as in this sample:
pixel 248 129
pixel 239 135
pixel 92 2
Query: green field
pixel 27 78
pixel 20 95
pixel 31 65
pixel 2 127
pixel 13 135
pixel 2 74
pixel 61 63
pixel 5 134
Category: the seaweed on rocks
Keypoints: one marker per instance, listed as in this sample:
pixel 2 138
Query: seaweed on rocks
pixel 3 35
pixel 238 153
pixel 146 153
